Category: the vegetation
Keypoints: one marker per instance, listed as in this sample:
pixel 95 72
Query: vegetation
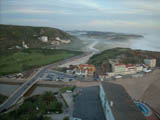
pixel 67 88
pixel 110 35
pixel 35 107
pixel 66 118
pixel 2 98
pixel 126 56
pixel 13 61
pixel 12 35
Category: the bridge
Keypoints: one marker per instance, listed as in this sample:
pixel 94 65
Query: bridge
pixel 28 84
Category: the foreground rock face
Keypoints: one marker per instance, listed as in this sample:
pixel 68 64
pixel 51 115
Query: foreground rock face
pixel 145 88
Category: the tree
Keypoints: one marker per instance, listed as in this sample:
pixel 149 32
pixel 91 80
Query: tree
pixel 66 118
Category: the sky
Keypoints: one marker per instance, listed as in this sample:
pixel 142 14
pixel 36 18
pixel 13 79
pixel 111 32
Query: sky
pixel 101 15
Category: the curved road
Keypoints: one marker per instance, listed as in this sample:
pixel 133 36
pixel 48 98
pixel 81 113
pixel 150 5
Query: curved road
pixel 28 84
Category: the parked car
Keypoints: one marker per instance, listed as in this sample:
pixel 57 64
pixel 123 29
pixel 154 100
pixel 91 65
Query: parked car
pixel 118 76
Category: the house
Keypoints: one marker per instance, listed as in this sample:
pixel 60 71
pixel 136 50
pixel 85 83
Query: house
pixel 44 38
pixel 85 70
pixel 63 41
pixel 124 69
pixel 139 68
pixel 150 62
pixel 72 69
pixel 117 104
pixel 118 68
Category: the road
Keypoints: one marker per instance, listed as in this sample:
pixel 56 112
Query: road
pixel 88 105
pixel 28 84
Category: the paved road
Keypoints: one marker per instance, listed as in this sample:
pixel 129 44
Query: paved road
pixel 27 85
pixel 20 92
pixel 88 105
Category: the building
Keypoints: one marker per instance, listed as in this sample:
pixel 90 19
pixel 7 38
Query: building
pixel 63 41
pixel 150 62
pixel 85 70
pixel 124 69
pixel 44 38
pixel 139 68
pixel 72 69
pixel 118 68
pixel 117 104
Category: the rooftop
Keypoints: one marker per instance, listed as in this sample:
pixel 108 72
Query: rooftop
pixel 87 66
pixel 123 106
pixel 120 64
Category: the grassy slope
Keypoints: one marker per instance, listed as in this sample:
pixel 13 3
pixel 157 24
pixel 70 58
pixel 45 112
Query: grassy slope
pixel 21 60
pixel 11 35
pixel 127 56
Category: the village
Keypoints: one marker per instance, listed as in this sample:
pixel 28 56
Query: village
pixel 118 70
pixel 85 83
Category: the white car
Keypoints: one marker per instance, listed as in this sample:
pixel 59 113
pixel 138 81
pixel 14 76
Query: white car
pixel 147 70
pixel 118 76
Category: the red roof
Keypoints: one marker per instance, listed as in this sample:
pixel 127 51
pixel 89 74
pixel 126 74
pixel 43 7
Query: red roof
pixel 88 67
pixel 129 65
pixel 119 64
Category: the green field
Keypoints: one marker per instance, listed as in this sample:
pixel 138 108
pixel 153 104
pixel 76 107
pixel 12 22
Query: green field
pixel 26 59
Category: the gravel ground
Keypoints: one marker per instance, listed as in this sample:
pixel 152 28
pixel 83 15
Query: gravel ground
pixel 145 88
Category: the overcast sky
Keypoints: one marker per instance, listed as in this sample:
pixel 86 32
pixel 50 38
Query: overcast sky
pixel 103 15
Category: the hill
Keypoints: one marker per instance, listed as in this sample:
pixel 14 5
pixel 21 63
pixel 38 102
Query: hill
pixel 12 36
pixel 125 55
pixel 105 35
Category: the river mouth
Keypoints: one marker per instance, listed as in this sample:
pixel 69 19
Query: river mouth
pixel 147 42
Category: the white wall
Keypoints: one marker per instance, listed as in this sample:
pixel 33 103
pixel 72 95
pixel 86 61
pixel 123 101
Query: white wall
pixel 105 104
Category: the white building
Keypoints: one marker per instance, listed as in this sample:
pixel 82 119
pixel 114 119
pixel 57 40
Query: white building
pixel 24 45
pixel 150 62
pixel 139 68
pixel 63 41
pixel 124 69
pixel 117 104
pixel 44 38
pixel 117 68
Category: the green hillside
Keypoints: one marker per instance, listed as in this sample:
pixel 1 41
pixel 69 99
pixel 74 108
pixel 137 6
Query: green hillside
pixel 126 55
pixel 12 35
pixel 13 61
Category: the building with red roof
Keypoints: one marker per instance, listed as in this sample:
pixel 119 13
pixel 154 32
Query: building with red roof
pixel 85 69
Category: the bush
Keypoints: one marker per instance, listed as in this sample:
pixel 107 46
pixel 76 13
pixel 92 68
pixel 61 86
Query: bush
pixel 66 118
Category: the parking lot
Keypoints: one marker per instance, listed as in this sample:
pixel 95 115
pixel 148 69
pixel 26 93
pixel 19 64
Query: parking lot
pixel 87 105
pixel 51 75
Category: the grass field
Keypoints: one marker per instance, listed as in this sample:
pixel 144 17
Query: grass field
pixel 22 60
